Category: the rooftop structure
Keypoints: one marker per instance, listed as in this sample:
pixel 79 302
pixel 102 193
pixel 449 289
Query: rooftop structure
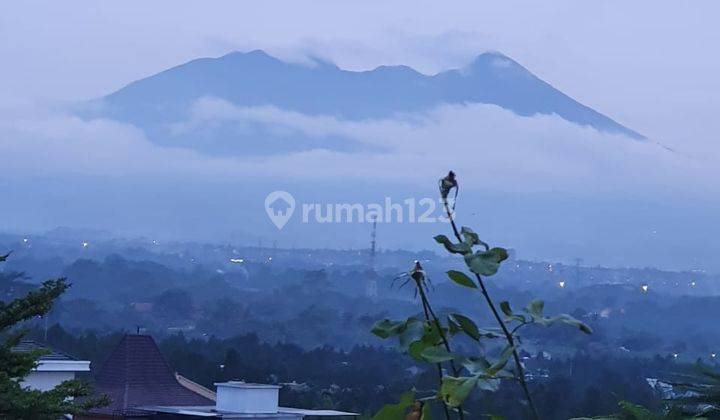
pixel 243 400
pixel 53 367
pixel 142 385
pixel 136 374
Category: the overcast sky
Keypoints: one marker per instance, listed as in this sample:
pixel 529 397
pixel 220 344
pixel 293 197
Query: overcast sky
pixel 652 65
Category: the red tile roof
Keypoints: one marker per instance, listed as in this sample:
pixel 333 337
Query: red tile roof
pixel 137 374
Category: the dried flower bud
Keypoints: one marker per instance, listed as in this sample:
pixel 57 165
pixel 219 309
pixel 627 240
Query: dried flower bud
pixel 447 184
pixel 417 272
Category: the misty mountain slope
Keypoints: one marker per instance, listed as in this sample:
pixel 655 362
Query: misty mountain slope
pixel 158 103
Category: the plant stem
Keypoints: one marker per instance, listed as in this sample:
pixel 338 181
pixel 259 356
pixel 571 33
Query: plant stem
pixel 508 335
pixel 429 311
pixel 439 365
pixel 446 342
pixel 436 321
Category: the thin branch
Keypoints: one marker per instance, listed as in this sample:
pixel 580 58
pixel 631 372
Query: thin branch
pixel 508 336
pixel 439 365
pixel 443 337
pixel 517 327
pixel 429 313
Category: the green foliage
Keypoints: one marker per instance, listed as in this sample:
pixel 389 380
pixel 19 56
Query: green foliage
pixel 455 390
pixel 484 375
pixel 407 332
pixel 429 341
pixel 501 361
pixel 453 248
pixel 430 338
pixel 407 408
pixel 461 278
pixel 460 323
pixel 16 401
pixel 510 315
pixel 486 263
pixel 35 303
pixel 630 411
pixel 422 340
pixel 534 315
pixel 436 354
pixel 471 238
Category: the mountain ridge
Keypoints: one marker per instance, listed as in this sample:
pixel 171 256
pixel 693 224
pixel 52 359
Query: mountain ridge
pixel 256 78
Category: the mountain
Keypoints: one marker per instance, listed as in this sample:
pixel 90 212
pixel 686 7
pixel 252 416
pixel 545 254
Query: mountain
pixel 157 103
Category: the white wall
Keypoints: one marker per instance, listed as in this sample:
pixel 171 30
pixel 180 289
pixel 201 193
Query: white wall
pixel 45 381
pixel 50 373
pixel 241 397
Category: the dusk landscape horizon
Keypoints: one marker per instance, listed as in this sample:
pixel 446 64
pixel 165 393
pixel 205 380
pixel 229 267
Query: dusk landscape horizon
pixel 359 210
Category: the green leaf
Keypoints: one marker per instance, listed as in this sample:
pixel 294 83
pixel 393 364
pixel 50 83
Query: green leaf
pixel 487 379
pixel 387 328
pixel 436 354
pixel 429 338
pixel 461 278
pixel 494 333
pixel 453 327
pixel 471 238
pixel 426 412
pixel 567 319
pixel 486 263
pixel 511 316
pixel 563 318
pixel 488 384
pixel 396 411
pixel 407 331
pixel 455 390
pixel 535 307
pixel 501 361
pixel 467 325
pixel 416 348
pixel 505 308
pixel 461 248
pixel 414 331
pixel 476 365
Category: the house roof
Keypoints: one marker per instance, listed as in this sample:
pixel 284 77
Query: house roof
pixel 136 374
pixel 196 387
pixel 30 345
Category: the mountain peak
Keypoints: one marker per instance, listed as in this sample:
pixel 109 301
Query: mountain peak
pixel 255 78
pixel 255 56
pixel 495 62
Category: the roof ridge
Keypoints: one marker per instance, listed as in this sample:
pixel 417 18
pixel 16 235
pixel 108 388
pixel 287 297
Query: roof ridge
pixel 137 374
pixel 196 387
